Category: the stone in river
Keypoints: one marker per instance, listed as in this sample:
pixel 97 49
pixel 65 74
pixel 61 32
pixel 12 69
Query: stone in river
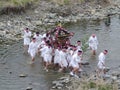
pixel 29 88
pixel 23 75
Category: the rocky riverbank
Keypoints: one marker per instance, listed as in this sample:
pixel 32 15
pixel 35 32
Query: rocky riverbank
pixel 46 14
pixel 89 82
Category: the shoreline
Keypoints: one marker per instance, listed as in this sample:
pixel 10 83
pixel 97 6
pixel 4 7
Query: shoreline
pixel 47 15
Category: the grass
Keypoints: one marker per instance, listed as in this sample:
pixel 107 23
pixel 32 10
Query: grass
pixel 15 3
pixel 99 84
pixel 15 6
pixel 84 43
pixel 66 2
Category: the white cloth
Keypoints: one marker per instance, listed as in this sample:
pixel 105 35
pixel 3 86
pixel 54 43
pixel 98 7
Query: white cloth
pixel 101 62
pixel 69 55
pixel 46 53
pixel 57 56
pixel 93 43
pixel 79 47
pixel 63 59
pixel 26 37
pixel 38 38
pixel 75 61
pixel 41 44
pixel 44 35
pixel 32 50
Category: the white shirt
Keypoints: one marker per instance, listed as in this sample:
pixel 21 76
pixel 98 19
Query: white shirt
pixel 101 58
pixel 27 34
pixel 93 41
pixel 38 38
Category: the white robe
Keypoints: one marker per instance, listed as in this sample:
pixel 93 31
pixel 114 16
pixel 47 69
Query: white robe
pixel 46 53
pixel 69 55
pixel 32 50
pixel 26 37
pixel 57 56
pixel 38 38
pixel 63 59
pixel 75 61
pixel 79 47
pixel 101 61
pixel 93 43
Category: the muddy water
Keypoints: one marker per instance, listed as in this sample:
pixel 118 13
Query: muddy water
pixel 13 62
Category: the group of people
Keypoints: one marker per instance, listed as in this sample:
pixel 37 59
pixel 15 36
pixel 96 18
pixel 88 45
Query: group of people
pixel 68 56
pixel 93 43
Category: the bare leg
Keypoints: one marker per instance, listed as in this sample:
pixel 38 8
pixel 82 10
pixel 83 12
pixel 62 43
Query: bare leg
pixel 94 52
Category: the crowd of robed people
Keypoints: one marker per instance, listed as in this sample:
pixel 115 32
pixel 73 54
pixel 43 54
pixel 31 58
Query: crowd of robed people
pixel 66 56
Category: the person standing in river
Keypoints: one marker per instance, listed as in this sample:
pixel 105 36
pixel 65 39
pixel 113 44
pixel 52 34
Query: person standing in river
pixel 76 63
pixel 26 37
pixel 101 63
pixel 32 50
pixel 93 43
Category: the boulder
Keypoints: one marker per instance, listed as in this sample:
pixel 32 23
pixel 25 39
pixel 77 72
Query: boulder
pixel 29 88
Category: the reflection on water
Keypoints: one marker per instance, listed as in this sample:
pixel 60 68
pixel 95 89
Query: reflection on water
pixel 13 62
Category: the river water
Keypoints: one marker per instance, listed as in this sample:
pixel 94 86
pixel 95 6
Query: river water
pixel 13 62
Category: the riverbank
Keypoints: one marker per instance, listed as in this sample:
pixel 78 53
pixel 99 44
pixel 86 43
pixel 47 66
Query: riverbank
pixel 42 19
pixel 46 15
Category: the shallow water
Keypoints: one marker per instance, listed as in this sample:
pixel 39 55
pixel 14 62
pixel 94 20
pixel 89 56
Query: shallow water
pixel 13 62
pixel 108 37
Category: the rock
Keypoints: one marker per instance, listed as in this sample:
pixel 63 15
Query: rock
pixel 37 22
pixel 23 75
pixel 59 87
pixel 54 82
pixel 53 87
pixel 85 63
pixel 62 78
pixel 2 33
pixel 51 15
pixel 29 88
pixel 28 18
pixel 114 78
pixel 36 11
pixel 10 72
pixel 118 81
pixel 116 73
pixel 59 84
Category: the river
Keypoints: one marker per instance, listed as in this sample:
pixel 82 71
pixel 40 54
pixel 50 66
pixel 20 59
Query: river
pixel 13 62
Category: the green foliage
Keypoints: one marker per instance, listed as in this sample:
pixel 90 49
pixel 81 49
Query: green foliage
pixel 20 2
pixel 66 2
pixel 16 2
pixel 105 87
pixel 84 43
pixel 92 85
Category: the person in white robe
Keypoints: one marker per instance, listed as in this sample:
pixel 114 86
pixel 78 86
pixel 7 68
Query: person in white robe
pixel 69 55
pixel 79 45
pixel 57 56
pixel 38 37
pixel 41 45
pixel 38 40
pixel 63 60
pixel 47 55
pixel 101 62
pixel 26 37
pixel 32 50
pixel 93 43
pixel 76 63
